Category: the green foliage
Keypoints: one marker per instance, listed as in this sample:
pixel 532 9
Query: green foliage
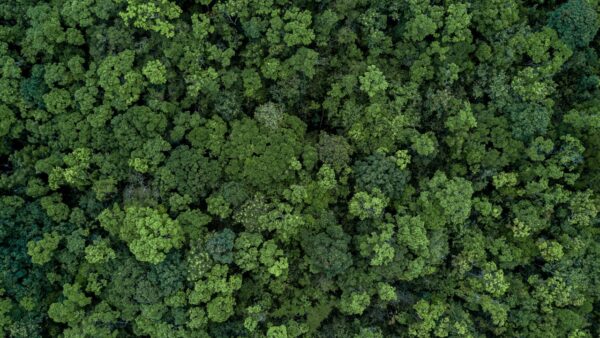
pixel 377 246
pixel 328 251
pixel 450 199
pixel 295 168
pixel 99 252
pixel 380 172
pixel 217 205
pixel 297 31
pixel 530 120
pixel 5 307
pixel 354 303
pixel 121 84
pixel 363 205
pixel 220 246
pixel 429 319
pixel 149 233
pixel 70 309
pixel 153 15
pixel 34 88
pixel 386 292
pixel 334 150
pixel 7 118
pixel 41 251
pixel 373 81
pixel 576 21
pixel 155 72
pixel 277 332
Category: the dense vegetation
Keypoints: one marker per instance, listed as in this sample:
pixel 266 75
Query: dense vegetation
pixel 272 168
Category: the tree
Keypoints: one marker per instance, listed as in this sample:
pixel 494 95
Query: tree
pixel 99 252
pixel 41 251
pixel 380 172
pixel 363 205
pixel 373 81
pixel 154 15
pixel 299 168
pixel 121 84
pixel 328 252
pixel 220 246
pixel 155 72
pixel 149 233
pixel 70 309
pixel 334 150
pixel 277 331
pixel 430 315
pixel 446 200
pixel 354 303
pixel 297 31
pixel 246 250
pixel 576 22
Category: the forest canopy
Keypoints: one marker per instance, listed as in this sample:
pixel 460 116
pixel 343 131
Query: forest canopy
pixel 305 168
